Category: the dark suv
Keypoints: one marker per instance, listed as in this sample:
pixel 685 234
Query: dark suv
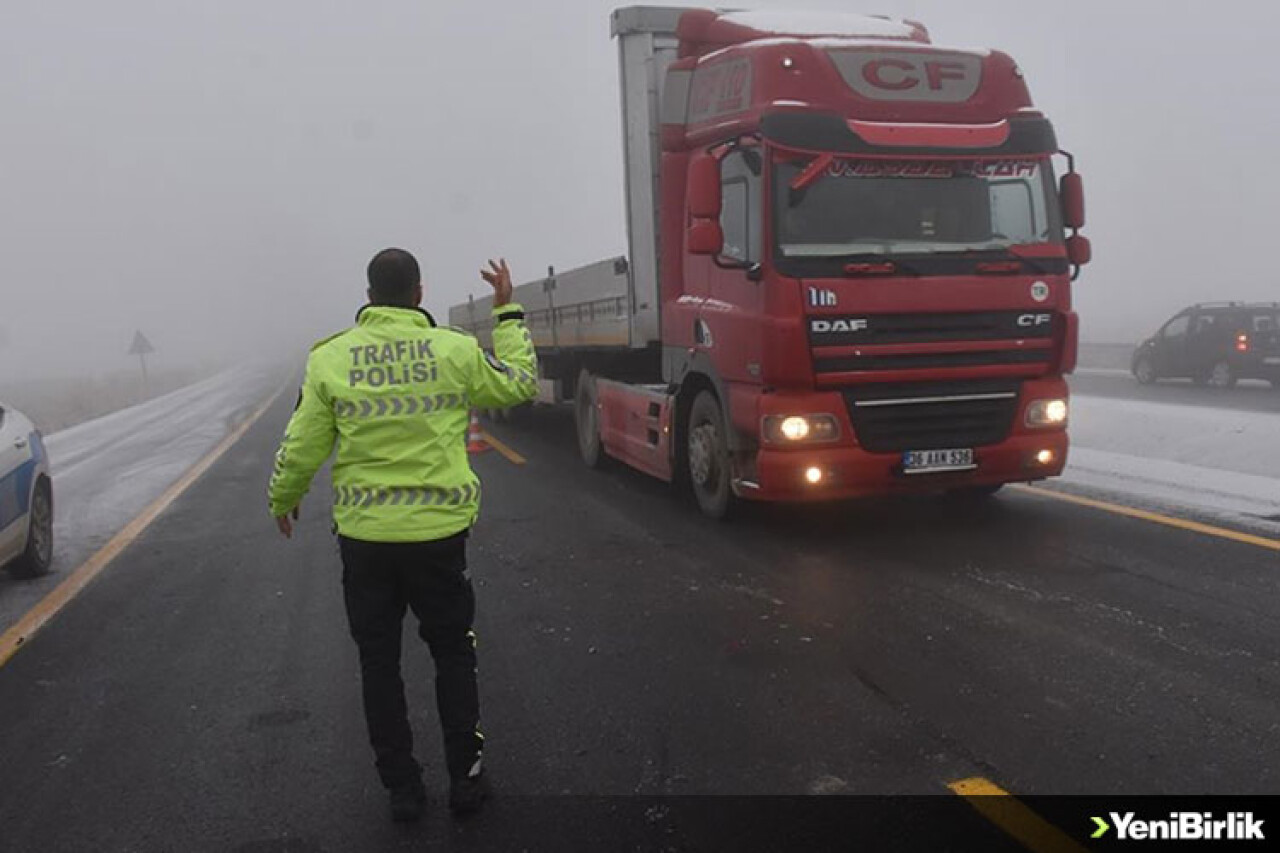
pixel 1215 343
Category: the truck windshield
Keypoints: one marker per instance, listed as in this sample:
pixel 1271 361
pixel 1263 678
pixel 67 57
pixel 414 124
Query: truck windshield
pixel 859 207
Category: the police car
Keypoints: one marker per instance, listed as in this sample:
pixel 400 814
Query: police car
pixel 26 497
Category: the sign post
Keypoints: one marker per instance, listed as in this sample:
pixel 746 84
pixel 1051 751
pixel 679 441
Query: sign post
pixel 141 347
pixel 549 287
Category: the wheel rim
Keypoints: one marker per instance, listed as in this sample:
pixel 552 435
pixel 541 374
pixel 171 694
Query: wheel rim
pixel 42 527
pixel 1221 375
pixel 703 462
pixel 1145 371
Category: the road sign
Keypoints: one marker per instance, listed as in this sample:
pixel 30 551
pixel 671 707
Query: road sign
pixel 141 346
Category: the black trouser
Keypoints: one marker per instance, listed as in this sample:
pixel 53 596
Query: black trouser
pixel 379 580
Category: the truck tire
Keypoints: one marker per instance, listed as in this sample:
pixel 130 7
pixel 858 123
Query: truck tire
pixel 37 559
pixel 708 457
pixel 586 413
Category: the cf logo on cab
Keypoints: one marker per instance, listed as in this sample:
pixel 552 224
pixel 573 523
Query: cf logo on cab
pixel 1028 321
pixel 899 75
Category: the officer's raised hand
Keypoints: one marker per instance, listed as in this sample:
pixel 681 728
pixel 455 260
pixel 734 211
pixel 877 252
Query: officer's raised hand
pixel 499 278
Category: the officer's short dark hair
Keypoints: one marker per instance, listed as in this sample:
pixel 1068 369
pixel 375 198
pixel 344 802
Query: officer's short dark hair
pixel 393 274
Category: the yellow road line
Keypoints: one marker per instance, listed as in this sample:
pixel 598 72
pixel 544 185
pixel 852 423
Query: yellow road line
pixel 512 457
pixel 21 633
pixel 1007 812
pixel 1156 518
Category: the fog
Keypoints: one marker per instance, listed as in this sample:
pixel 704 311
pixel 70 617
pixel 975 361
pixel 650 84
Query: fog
pixel 218 174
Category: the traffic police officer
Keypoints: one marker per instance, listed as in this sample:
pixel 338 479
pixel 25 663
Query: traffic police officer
pixel 394 394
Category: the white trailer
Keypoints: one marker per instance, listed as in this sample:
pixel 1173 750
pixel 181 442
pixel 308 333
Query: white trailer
pixel 609 310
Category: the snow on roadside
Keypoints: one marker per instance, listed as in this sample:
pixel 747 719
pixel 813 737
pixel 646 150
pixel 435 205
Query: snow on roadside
pixel 105 471
pixel 1219 461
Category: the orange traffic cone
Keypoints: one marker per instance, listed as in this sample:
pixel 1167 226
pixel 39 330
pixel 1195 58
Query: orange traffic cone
pixel 475 438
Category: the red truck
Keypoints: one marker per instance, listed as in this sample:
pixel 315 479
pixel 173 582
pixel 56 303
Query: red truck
pixel 849 267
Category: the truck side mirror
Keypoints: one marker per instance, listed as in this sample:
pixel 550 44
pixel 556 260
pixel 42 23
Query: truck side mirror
pixel 1079 249
pixel 705 237
pixel 704 187
pixel 1071 193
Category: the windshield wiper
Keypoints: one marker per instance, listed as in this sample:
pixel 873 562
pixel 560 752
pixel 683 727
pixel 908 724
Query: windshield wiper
pixel 1000 253
pixel 875 263
pixel 806 176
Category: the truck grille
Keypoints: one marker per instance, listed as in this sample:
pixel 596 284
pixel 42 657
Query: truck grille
pixel 917 361
pixel 932 415
pixel 927 328
pixel 989 340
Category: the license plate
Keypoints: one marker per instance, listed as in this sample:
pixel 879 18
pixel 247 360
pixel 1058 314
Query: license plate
pixel 932 461
pixel 1272 359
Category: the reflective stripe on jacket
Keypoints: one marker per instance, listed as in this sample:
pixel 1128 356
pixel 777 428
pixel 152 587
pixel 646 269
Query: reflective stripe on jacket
pixel 394 393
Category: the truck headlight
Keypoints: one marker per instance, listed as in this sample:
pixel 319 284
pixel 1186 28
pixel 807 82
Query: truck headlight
pixel 1047 413
pixel 799 429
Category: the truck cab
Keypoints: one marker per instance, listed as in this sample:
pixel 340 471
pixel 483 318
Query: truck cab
pixel 874 264
pixel 850 265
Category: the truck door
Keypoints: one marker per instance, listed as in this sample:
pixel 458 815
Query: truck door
pixel 736 293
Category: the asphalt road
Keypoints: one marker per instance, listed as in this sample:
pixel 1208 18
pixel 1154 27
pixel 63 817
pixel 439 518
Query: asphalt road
pixel 1247 396
pixel 202 694
pixel 106 471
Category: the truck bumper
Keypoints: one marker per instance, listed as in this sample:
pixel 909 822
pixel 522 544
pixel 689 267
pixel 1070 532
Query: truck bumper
pixel 849 472
pixel 848 469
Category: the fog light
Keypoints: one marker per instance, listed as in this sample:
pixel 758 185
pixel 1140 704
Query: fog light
pixel 1045 457
pixel 813 475
pixel 794 428
pixel 1047 413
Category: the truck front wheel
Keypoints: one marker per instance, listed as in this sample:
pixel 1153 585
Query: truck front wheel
pixel 708 456
pixel 587 417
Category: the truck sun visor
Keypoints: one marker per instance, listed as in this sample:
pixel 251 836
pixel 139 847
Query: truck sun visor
pixel 830 132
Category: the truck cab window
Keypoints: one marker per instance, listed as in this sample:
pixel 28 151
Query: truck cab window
pixel 740 210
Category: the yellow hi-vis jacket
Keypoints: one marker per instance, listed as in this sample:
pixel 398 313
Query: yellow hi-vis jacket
pixel 394 392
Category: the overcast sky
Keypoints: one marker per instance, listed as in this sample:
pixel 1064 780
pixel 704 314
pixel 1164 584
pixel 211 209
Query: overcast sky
pixel 217 174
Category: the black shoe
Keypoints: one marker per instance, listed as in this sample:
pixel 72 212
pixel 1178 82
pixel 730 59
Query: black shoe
pixel 467 795
pixel 408 801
